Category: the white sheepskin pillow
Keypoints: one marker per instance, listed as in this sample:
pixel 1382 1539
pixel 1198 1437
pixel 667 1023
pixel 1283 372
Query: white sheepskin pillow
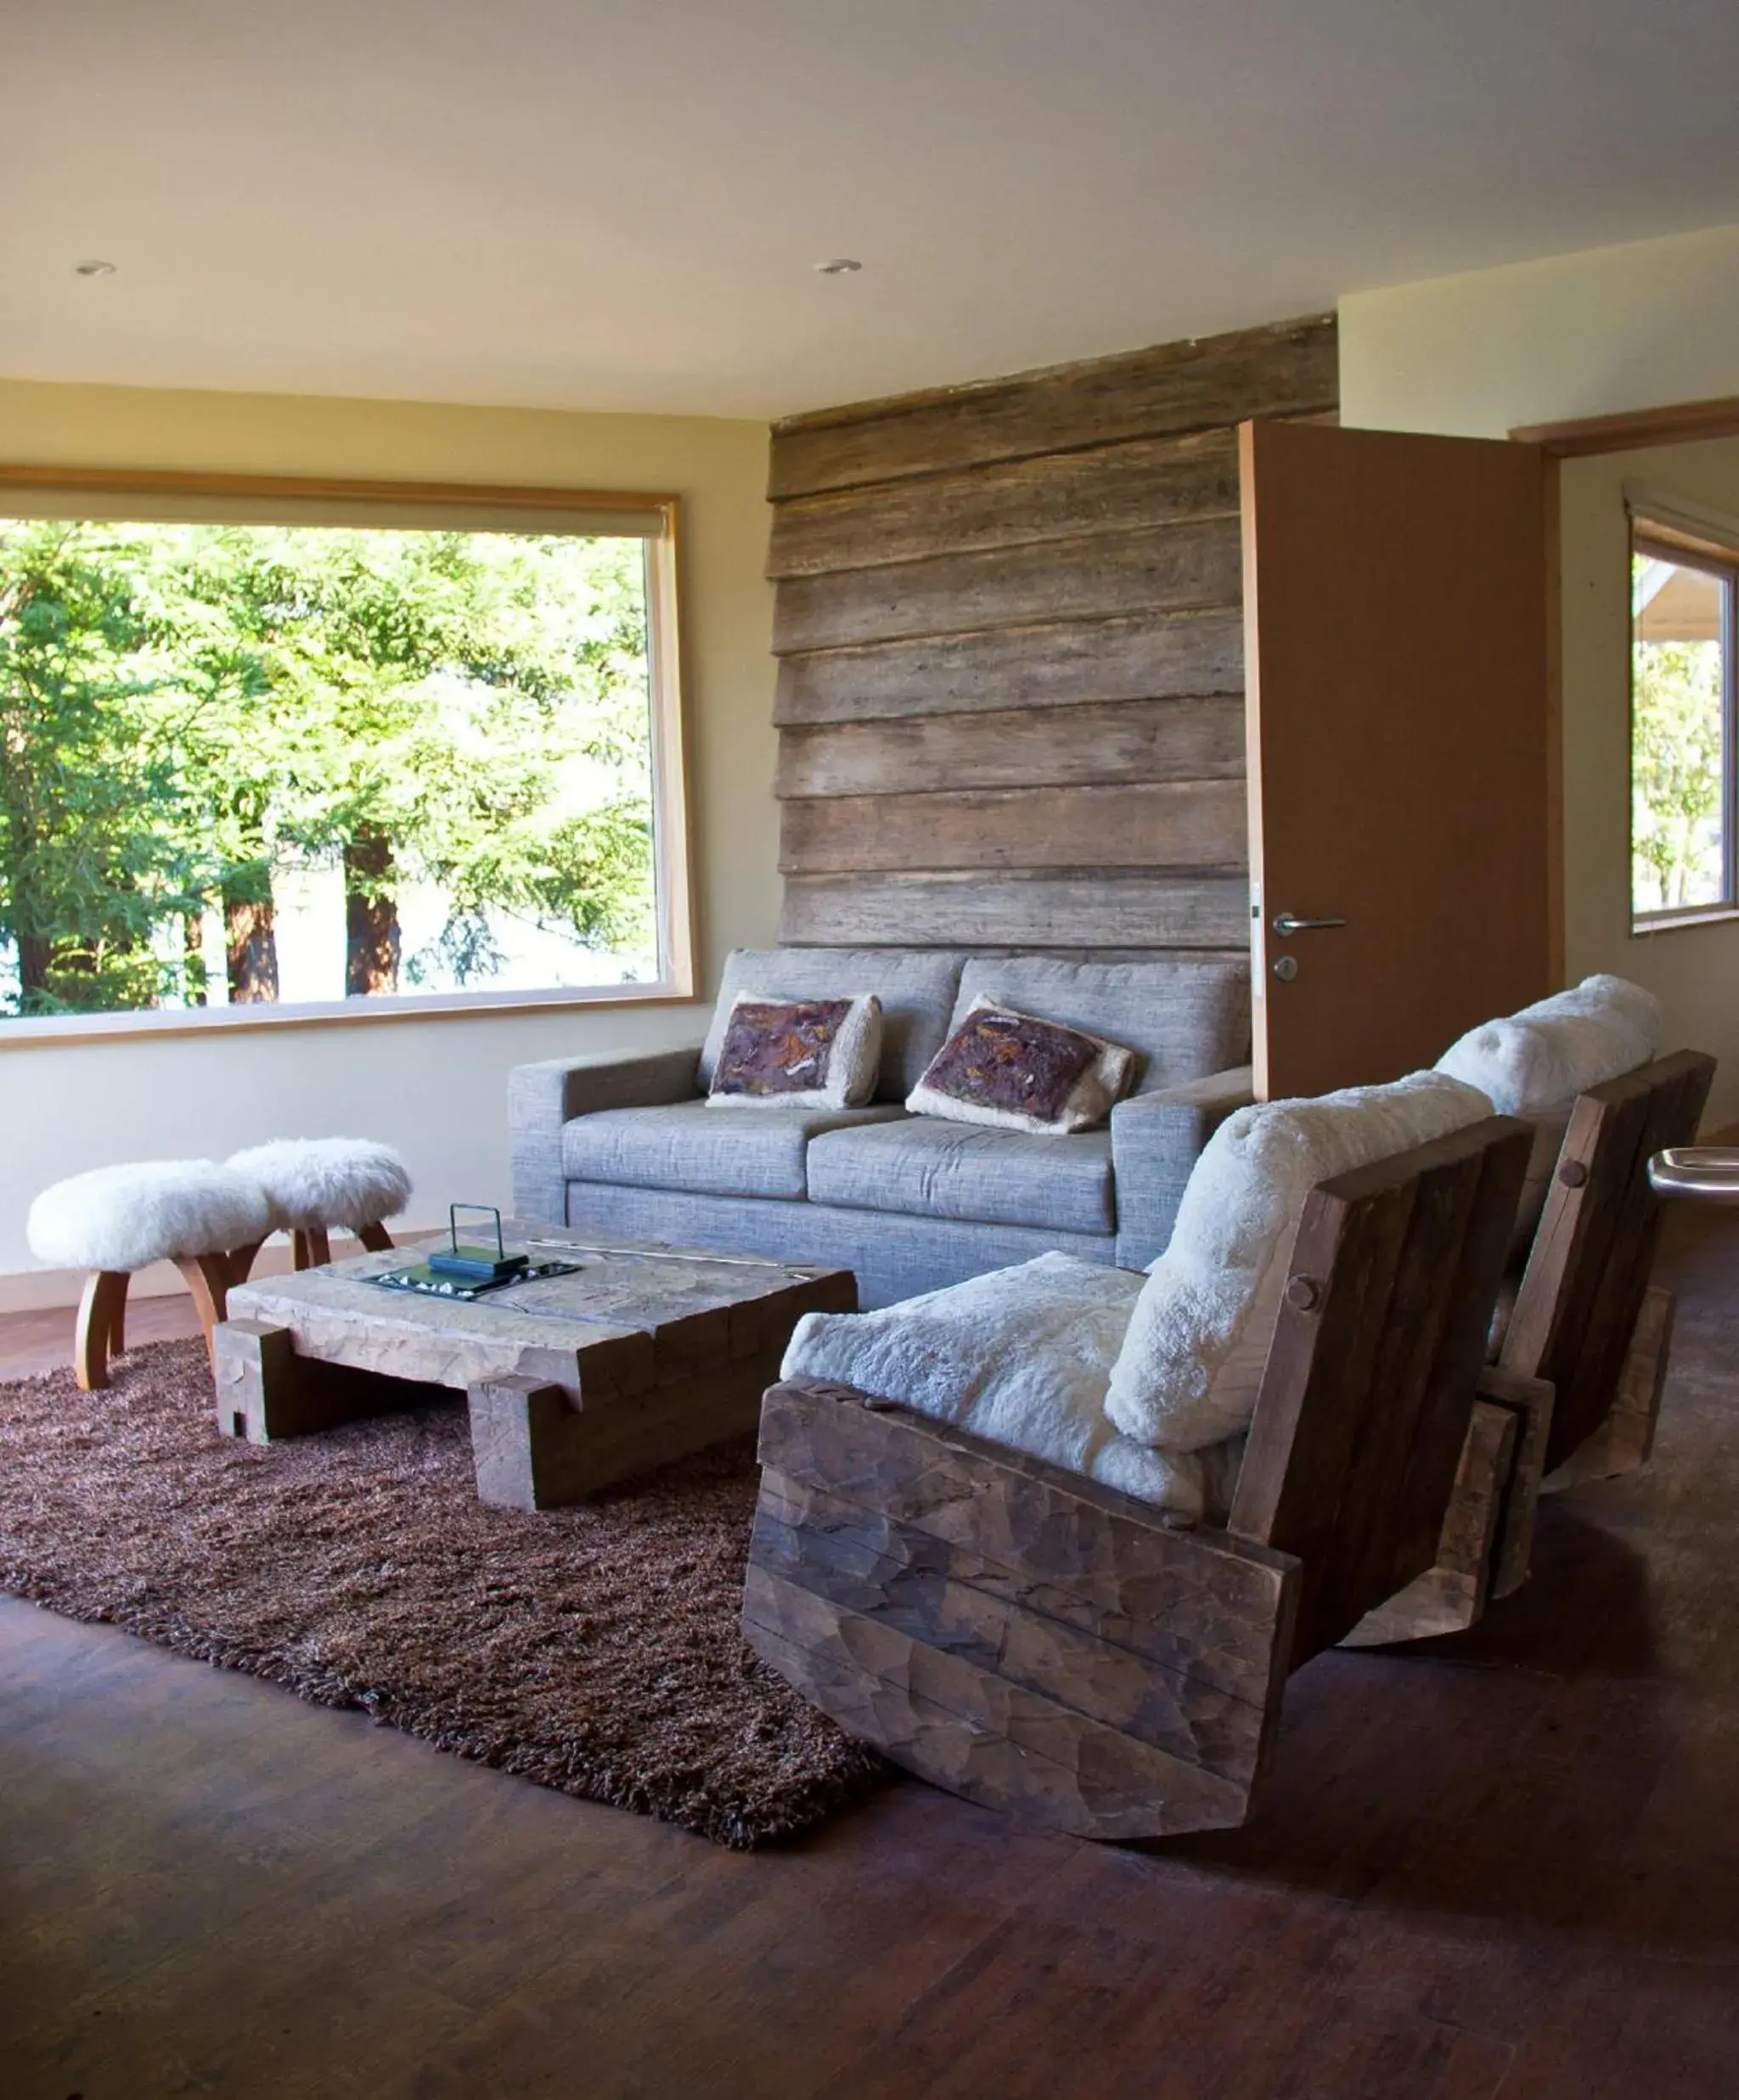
pixel 1533 1064
pixel 342 1182
pixel 1536 1061
pixel 798 1053
pixel 1192 1361
pixel 126 1217
pixel 1021 1357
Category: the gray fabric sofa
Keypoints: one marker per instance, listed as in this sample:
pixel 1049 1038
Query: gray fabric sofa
pixel 627 1144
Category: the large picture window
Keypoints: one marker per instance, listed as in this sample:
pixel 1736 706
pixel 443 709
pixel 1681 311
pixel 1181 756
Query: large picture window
pixel 294 754
pixel 1684 834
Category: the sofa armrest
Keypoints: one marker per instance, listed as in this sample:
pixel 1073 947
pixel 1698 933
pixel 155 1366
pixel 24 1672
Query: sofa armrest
pixel 542 1098
pixel 1154 1140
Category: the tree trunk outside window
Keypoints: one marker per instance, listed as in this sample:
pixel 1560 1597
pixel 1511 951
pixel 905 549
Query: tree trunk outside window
pixel 251 943
pixel 370 915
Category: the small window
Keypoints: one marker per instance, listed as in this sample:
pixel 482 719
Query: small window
pixel 1684 831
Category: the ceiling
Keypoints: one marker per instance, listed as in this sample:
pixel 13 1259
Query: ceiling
pixel 563 203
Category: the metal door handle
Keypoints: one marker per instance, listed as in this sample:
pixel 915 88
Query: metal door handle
pixel 1285 924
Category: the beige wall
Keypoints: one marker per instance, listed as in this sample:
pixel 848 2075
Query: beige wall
pixel 1694 971
pixel 1633 326
pixel 435 1088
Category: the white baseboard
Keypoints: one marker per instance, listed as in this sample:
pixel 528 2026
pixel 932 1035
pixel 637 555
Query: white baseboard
pixel 39 1290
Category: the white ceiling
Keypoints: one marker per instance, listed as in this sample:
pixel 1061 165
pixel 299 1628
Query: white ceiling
pixel 566 202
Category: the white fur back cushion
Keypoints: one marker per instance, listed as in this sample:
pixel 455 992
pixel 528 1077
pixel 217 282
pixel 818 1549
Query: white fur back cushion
pixel 1535 1062
pixel 1192 1361
pixel 345 1182
pixel 1021 1356
pixel 152 1210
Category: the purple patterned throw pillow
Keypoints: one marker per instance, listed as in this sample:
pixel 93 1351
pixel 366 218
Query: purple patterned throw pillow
pixel 798 1053
pixel 1019 1073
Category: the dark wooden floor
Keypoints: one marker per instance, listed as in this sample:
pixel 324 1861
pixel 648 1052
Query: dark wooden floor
pixel 1510 1865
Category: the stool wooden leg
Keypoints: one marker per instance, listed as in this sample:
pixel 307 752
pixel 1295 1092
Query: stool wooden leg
pixel 376 1238
pixel 242 1260
pixel 207 1277
pixel 103 1303
pixel 310 1248
pixel 117 1320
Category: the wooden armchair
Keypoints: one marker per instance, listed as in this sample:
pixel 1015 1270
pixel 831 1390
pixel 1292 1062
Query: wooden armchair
pixel 1047 1646
pixel 1582 1355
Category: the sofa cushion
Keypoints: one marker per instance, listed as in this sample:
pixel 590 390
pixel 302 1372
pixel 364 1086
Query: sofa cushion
pixel 687 1147
pixel 800 1053
pixel 1015 1071
pixel 1183 1017
pixel 1192 1362
pixel 916 987
pixel 928 1168
pixel 1020 1356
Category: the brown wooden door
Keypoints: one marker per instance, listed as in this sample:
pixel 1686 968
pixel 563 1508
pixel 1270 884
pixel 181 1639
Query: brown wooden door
pixel 1399 725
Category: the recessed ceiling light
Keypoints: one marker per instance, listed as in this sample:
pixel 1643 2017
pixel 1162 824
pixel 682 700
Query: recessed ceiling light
pixel 93 268
pixel 838 266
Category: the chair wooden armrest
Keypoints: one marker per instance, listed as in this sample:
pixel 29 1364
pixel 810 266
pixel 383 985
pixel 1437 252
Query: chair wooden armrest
pixel 1047 1646
pixel 1580 1320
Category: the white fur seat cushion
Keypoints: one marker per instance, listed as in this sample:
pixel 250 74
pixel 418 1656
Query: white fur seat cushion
pixel 312 1183
pixel 1534 1062
pixel 1192 1362
pixel 123 1218
pixel 1021 1357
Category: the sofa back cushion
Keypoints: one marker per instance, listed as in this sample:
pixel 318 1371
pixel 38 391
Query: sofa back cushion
pixel 1192 1362
pixel 917 987
pixel 1183 1017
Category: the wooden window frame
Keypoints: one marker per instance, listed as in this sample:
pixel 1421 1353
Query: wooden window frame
pixel 1662 542
pixel 242 499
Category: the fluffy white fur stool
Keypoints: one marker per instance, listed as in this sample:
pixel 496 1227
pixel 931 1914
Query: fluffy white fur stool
pixel 116 1219
pixel 316 1184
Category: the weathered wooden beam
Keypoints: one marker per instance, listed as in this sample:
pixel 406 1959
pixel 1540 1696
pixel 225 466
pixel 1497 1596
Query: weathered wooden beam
pixel 1032 1640
pixel 1289 368
pixel 1088 745
pixel 1111 488
pixel 1158 568
pixel 1179 825
pixel 1133 656
pixel 1197 1602
pixel 1012 910
pixel 946 1595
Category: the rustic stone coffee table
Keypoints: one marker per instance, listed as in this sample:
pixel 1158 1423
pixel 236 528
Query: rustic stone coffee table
pixel 644 1353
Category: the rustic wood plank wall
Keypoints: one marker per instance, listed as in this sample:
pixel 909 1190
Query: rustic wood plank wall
pixel 1008 627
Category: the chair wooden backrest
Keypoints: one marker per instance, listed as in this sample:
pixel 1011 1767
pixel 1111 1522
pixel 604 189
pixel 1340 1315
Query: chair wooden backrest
pixel 1050 1646
pixel 1588 1269
pixel 1371 1382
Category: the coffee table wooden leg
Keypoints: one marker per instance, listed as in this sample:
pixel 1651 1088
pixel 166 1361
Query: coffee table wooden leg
pixel 267 1392
pixel 524 1442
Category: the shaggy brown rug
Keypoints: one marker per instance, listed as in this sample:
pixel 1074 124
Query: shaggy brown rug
pixel 593 1649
